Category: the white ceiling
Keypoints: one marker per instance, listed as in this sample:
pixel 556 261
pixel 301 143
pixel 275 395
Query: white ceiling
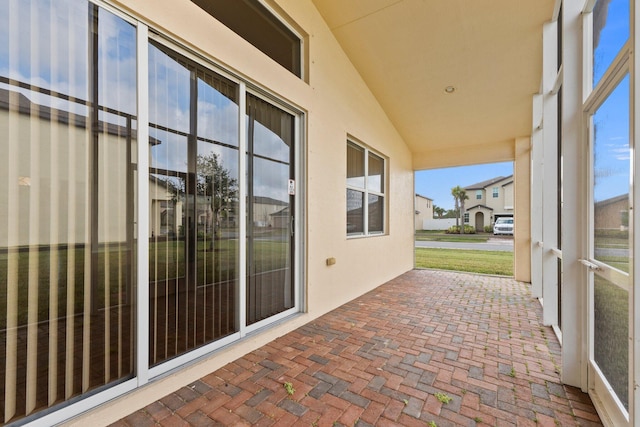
pixel 409 51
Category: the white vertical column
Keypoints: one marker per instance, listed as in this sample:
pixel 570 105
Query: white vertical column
pixel 550 173
pixel 634 401
pixel 300 214
pixel 574 184
pixel 537 178
pixel 142 324
pixel 522 205
pixel 10 172
pixel 242 217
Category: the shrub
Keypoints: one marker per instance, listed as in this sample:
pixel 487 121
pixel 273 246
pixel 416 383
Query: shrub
pixel 488 229
pixel 455 229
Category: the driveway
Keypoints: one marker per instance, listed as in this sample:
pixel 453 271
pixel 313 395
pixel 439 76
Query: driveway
pixel 493 244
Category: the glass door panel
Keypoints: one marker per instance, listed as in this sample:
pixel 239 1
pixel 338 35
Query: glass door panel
pixel 193 205
pixel 270 284
pixel 610 237
pixel 66 204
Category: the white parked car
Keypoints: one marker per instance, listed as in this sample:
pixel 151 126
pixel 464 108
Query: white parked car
pixel 503 225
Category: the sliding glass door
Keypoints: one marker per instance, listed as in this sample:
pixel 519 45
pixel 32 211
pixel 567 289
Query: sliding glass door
pixel 193 259
pixel 270 210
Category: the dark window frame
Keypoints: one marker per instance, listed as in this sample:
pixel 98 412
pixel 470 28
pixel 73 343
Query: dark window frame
pixel 257 24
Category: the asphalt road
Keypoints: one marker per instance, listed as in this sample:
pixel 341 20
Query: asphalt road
pixel 493 244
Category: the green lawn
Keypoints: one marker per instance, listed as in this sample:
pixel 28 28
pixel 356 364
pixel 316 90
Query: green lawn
pixel 611 332
pixel 441 236
pixel 484 262
pixel 63 270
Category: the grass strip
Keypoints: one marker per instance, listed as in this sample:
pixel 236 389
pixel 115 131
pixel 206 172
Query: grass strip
pixel 440 236
pixel 484 262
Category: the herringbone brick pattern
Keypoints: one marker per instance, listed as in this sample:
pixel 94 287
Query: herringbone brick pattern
pixel 429 348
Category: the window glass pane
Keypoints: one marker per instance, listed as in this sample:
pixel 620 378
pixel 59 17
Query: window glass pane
pixel 375 180
pixel 169 87
pixel 496 192
pixel 376 213
pixel 611 335
pixel 355 166
pixel 478 194
pixel 66 202
pixel 610 33
pixel 217 109
pixel 355 212
pixel 611 179
pixel 257 25
pixel 273 130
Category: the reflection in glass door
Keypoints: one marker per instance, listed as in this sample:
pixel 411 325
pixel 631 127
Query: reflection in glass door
pixel 270 210
pixel 193 188
pixel 610 242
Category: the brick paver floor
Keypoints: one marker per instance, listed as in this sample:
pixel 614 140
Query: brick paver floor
pixel 429 348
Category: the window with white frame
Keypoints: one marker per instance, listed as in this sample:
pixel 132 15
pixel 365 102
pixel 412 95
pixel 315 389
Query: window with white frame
pixel 478 194
pixel 609 110
pixel 466 217
pixel 496 192
pixel 365 191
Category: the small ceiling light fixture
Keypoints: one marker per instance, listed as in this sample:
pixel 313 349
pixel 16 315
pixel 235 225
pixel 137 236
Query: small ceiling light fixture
pixel 449 89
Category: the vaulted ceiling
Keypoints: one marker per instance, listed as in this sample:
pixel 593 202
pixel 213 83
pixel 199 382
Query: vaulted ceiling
pixel 410 51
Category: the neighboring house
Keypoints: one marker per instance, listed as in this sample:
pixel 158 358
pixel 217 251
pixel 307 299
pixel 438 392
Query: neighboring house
pixel 267 209
pixel 489 200
pixel 281 219
pixel 612 214
pixel 424 210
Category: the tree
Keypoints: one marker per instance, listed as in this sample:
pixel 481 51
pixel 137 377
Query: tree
pixel 438 211
pixel 459 196
pixel 451 213
pixel 216 182
pixel 463 196
pixel 455 192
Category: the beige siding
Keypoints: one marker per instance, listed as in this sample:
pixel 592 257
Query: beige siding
pixel 424 211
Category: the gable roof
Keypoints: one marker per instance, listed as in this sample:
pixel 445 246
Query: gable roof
pixel 484 184
pixel 479 207
pixel 424 197
pixel 612 200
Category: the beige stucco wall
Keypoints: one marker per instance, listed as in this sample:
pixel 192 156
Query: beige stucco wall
pixel 522 207
pixel 504 202
pixel 58 178
pixel 474 154
pixel 425 208
pixel 337 103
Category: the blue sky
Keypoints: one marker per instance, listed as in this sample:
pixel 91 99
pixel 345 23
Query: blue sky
pixel 437 183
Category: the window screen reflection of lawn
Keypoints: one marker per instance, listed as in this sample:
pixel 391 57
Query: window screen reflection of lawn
pixel 611 329
pixel 216 261
pixel 65 267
